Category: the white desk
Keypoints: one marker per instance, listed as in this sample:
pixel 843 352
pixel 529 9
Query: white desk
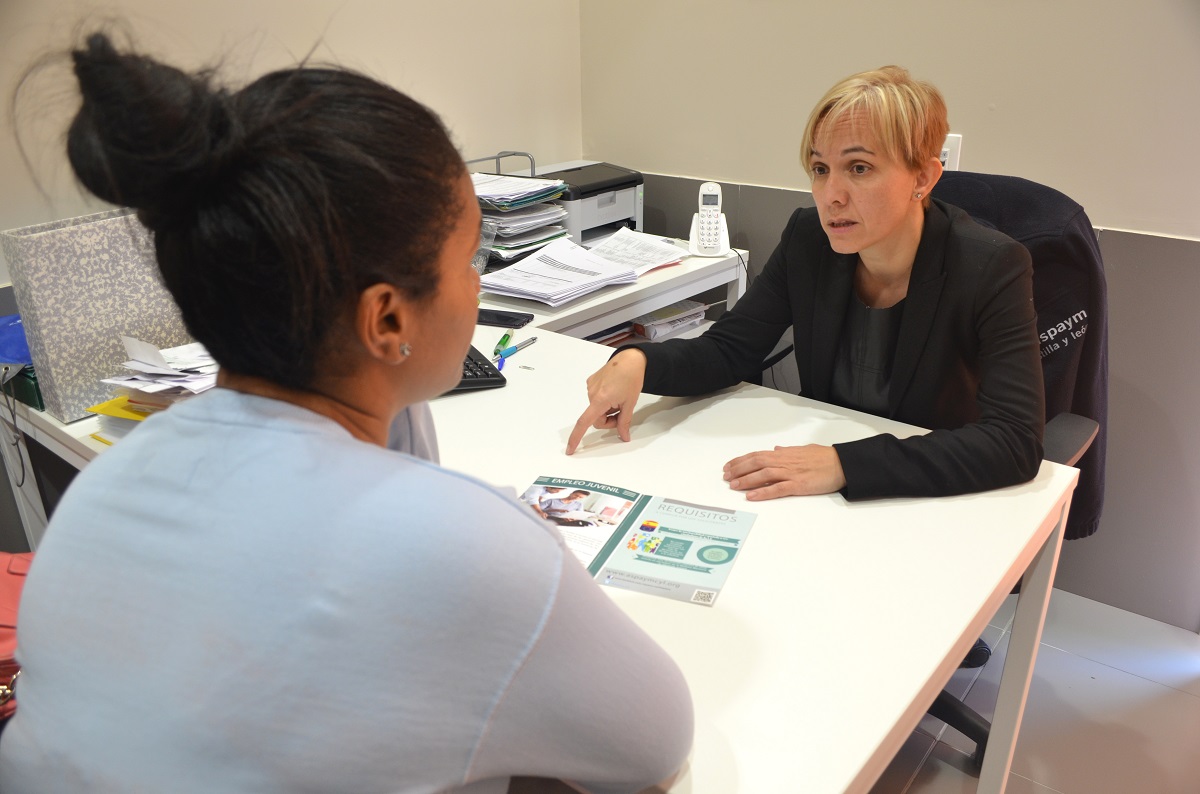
pixel 784 670
pixel 789 691
pixel 616 304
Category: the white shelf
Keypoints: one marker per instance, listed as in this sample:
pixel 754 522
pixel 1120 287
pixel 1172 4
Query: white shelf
pixel 617 304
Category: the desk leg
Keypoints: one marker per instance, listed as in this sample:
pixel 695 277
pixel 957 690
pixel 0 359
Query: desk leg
pixel 737 287
pixel 1019 662
pixel 23 481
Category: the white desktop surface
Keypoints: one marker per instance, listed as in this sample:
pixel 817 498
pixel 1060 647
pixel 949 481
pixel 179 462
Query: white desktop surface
pixel 839 622
pixel 71 441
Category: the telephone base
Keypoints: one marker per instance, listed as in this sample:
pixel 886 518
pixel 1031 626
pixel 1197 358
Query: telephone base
pixel 723 248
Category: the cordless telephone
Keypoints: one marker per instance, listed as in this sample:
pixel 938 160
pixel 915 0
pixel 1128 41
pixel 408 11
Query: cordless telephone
pixel 710 234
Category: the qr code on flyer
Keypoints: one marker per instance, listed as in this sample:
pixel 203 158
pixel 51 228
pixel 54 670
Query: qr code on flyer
pixel 704 596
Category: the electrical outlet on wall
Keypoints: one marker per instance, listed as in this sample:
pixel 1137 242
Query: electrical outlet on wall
pixel 951 150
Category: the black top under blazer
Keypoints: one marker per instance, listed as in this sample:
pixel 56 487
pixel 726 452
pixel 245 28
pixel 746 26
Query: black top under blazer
pixel 966 364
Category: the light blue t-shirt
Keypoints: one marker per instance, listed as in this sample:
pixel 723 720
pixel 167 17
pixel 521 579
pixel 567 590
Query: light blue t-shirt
pixel 412 432
pixel 241 597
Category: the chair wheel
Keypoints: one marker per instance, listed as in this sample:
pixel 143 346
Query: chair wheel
pixel 978 655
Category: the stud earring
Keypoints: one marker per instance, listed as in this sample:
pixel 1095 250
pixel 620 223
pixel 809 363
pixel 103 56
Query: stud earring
pixel 405 349
pixel 916 195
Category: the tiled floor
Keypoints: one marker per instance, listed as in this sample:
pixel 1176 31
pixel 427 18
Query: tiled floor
pixel 1114 707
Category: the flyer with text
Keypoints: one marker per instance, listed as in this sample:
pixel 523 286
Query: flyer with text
pixel 650 544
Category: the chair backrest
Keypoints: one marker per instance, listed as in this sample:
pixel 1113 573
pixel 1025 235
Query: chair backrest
pixel 1071 297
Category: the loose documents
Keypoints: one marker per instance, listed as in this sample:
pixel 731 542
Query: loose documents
pixel 525 219
pixel 512 247
pixel 556 274
pixel 669 319
pixel 163 376
pixel 500 192
pixel 642 252
pixel 563 271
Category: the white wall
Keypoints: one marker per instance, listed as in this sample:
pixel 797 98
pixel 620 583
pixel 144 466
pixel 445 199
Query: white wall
pixel 1099 100
pixel 470 60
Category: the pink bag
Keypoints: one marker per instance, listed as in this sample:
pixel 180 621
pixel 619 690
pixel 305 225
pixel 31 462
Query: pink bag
pixel 13 568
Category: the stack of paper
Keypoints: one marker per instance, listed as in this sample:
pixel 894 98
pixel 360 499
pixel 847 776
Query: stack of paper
pixel 564 271
pixel 117 417
pixel 512 247
pixel 517 207
pixel 164 376
pixel 500 192
pixel 525 219
pixel 558 273
pixel 676 317
pixel 642 252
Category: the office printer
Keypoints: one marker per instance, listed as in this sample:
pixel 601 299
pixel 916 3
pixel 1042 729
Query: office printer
pixel 600 198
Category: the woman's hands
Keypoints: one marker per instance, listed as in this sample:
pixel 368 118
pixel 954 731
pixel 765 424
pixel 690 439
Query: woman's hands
pixel 613 391
pixel 786 471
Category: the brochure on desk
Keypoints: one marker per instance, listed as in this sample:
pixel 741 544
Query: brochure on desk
pixel 649 544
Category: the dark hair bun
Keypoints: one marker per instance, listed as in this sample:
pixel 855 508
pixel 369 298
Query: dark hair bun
pixel 147 135
pixel 272 205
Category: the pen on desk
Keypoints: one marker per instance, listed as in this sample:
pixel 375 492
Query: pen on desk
pixel 499 361
pixel 508 351
pixel 504 340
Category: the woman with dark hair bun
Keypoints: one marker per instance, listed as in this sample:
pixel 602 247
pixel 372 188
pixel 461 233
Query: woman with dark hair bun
pixel 252 592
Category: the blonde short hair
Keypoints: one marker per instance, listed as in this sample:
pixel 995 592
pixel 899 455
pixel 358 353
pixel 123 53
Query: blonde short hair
pixel 907 116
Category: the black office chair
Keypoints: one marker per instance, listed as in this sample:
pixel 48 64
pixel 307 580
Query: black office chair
pixel 1070 295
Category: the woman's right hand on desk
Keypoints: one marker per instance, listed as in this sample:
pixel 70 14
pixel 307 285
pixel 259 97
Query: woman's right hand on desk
pixel 613 391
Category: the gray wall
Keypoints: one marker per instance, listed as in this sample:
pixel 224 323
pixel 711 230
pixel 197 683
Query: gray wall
pixel 1146 555
pixel 1145 558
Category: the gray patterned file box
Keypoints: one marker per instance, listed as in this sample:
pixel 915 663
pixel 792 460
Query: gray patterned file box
pixel 80 285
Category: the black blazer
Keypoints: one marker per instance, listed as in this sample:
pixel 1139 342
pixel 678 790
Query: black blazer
pixel 966 363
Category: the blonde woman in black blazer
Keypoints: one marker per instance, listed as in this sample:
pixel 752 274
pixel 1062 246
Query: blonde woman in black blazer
pixel 900 306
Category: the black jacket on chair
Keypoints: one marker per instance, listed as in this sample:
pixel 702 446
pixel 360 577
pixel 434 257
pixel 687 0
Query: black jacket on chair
pixel 1071 297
